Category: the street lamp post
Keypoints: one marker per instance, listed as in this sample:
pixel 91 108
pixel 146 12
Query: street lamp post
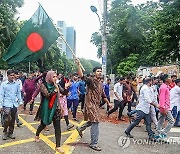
pixel 103 32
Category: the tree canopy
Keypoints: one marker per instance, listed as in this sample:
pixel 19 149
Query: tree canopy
pixel 54 59
pixel 150 30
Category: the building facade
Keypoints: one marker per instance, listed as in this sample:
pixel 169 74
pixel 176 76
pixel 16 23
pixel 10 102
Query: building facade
pixel 69 35
pixel 71 39
pixel 62 28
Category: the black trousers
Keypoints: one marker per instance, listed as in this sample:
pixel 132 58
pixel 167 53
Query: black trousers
pixel 31 105
pixel 103 102
pixel 9 116
pixel 120 105
pixel 57 128
pixel 129 106
pixel 82 100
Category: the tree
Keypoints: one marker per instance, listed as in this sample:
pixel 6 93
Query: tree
pixel 150 30
pixel 166 39
pixel 89 65
pixel 128 65
pixel 8 25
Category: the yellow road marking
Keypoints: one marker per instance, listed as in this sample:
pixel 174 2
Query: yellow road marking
pixel 74 123
pixel 71 139
pixel 16 142
pixel 33 123
pixel 68 149
pixel 63 133
pixel 44 138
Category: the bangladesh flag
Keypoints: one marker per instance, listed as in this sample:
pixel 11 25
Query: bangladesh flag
pixel 33 39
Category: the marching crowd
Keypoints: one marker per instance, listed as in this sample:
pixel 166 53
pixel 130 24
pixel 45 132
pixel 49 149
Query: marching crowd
pixel 154 99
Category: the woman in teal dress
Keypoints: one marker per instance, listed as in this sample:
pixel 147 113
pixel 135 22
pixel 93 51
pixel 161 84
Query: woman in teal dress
pixel 49 109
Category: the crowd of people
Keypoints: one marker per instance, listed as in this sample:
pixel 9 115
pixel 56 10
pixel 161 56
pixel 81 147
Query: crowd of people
pixel 154 99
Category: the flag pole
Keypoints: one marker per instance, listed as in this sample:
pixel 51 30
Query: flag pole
pixel 65 41
pixel 70 50
pixel 29 66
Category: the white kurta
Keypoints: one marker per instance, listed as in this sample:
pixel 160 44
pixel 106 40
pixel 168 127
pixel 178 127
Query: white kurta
pixel 175 97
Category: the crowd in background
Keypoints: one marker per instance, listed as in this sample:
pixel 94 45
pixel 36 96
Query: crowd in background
pixel 154 99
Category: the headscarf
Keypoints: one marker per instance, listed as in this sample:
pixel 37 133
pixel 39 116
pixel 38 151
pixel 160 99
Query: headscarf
pixel 49 80
pixel 49 77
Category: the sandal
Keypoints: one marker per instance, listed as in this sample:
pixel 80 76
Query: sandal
pixel 59 149
pixel 46 128
pixel 37 139
pixel 96 148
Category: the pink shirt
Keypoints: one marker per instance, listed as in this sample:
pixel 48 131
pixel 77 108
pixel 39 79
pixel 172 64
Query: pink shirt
pixel 164 97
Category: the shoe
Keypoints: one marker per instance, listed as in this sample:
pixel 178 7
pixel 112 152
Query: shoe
pixel 69 126
pixel 30 113
pixel 75 119
pixel 4 136
pixel 156 136
pixel 79 131
pixel 128 135
pixel 37 139
pixel 19 124
pixel 96 148
pixel 11 136
pixel 59 149
pixel 46 128
pixel 108 114
pixel 163 136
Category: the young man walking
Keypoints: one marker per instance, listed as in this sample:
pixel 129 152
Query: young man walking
pixel 118 98
pixel 10 99
pixel 94 94
pixel 106 87
pixel 142 109
pixel 165 110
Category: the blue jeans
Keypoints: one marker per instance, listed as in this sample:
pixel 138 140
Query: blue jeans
pixel 75 103
pixel 147 118
pixel 174 111
pixel 132 112
pixel 177 120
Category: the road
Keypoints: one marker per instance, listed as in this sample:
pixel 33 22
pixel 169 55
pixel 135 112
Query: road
pixel 110 133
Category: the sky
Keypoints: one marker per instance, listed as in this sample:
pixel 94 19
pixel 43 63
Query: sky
pixel 75 13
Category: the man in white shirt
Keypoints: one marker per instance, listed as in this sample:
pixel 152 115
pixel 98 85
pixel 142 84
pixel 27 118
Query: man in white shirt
pixel 118 98
pixel 143 110
pixel 175 101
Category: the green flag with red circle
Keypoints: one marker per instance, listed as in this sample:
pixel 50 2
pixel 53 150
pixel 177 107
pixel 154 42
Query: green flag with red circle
pixel 33 39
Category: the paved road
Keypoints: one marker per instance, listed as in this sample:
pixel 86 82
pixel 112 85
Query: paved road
pixel 72 143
